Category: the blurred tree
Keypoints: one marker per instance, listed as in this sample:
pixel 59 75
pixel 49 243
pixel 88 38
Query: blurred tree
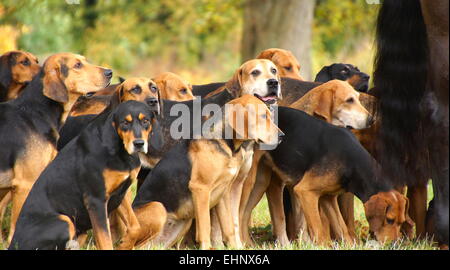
pixel 282 24
pixel 40 33
pixel 127 32
pixel 90 13
pixel 188 34
pixel 343 31
pixel 121 32
pixel 339 24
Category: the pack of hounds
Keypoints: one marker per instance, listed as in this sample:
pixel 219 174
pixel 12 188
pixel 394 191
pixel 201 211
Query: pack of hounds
pixel 72 144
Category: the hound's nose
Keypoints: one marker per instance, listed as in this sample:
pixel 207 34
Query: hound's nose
pixel 108 73
pixel 365 76
pixel 152 102
pixel 139 144
pixel 280 136
pixel 272 83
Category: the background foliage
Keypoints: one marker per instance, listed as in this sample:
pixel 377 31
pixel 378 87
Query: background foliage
pixel 200 39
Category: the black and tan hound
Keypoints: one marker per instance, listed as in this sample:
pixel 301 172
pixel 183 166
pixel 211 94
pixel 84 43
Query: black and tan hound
pixel 86 180
pixel 32 121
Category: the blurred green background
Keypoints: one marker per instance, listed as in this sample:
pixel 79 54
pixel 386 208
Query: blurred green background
pixel 198 39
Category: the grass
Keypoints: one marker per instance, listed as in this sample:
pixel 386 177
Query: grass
pixel 264 239
pixel 262 234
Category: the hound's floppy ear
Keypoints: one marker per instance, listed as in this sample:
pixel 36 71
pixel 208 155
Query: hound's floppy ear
pixel 5 72
pixel 323 75
pixel 234 114
pixel 234 85
pixel 121 79
pixel 369 102
pixel 324 107
pixel 266 54
pixel 156 137
pixel 117 96
pixel 109 138
pixel 54 87
pixel 160 102
pixel 408 225
pixel 120 91
pixel 160 84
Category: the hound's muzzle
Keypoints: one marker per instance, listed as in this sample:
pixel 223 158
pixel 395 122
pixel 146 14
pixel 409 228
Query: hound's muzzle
pixel 273 89
pixel 139 145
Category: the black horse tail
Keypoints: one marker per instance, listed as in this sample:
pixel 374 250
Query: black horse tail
pixel 400 76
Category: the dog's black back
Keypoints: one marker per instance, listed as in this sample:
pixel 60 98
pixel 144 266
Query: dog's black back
pixel 205 89
pixel 168 182
pixel 311 143
pixel 72 128
pixel 30 114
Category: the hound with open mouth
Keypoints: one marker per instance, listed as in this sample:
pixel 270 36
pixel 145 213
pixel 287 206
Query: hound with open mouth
pixel 293 86
pixel 258 77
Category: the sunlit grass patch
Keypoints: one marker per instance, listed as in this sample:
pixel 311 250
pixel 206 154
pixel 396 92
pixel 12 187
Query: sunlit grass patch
pixel 262 235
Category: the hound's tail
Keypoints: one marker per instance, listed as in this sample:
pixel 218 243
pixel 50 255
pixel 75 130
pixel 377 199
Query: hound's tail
pixel 400 76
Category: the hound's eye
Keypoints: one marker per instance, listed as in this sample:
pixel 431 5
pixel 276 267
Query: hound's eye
pixel 136 90
pixel 125 124
pixel 255 72
pixel 145 123
pixel 350 100
pixel 153 89
pixel 183 91
pixel 288 68
pixel 273 70
pixel 344 71
pixel 78 65
pixel 390 221
pixel 25 62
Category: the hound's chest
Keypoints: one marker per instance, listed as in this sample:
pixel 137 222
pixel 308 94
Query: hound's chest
pixel 213 176
pixel 238 164
pixel 114 178
pixel 148 161
pixel 215 165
